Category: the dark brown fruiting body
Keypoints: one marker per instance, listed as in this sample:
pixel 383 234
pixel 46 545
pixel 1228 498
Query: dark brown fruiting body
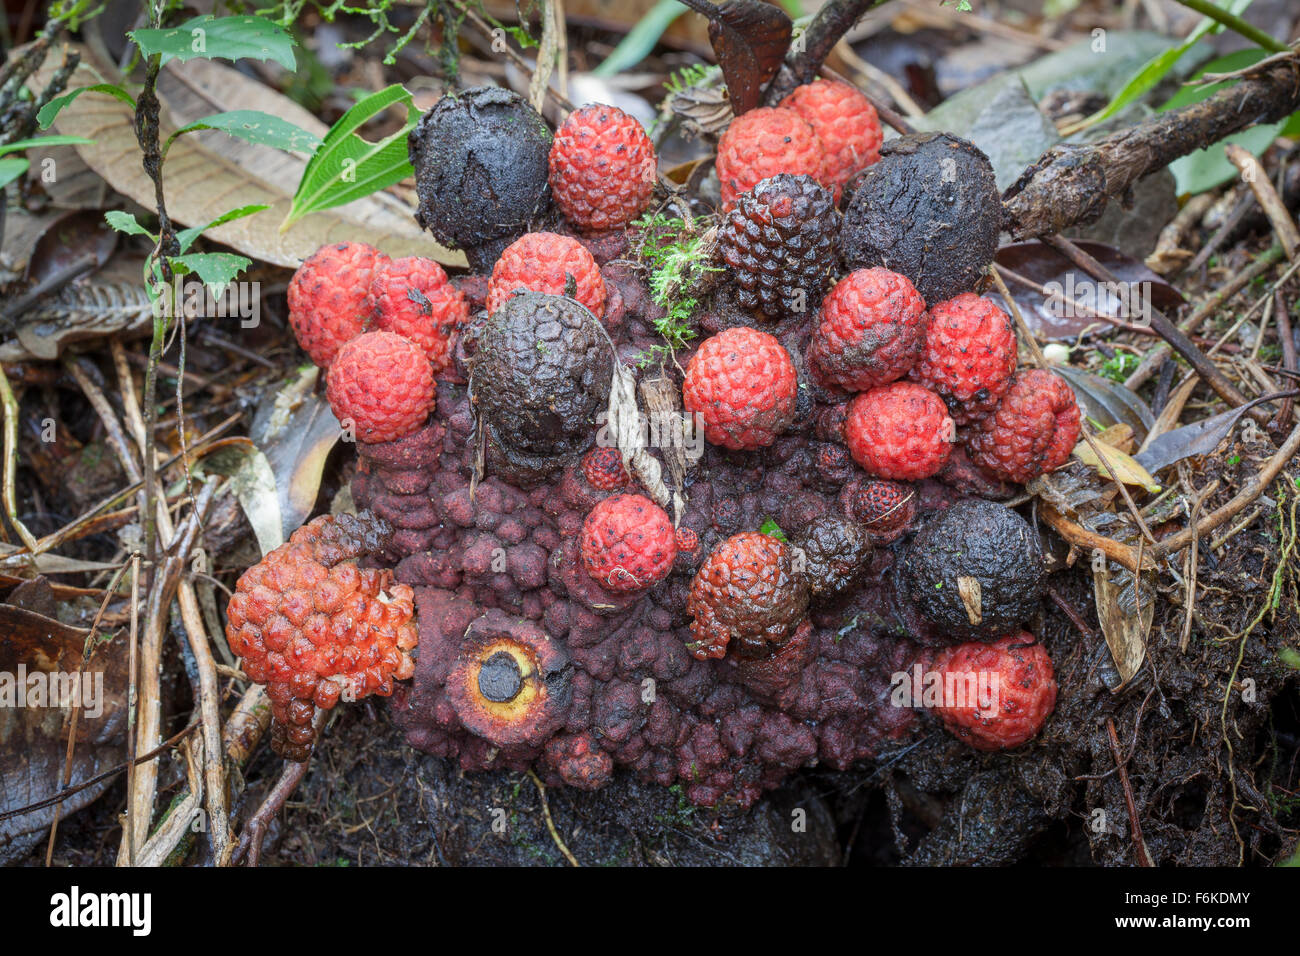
pixel 480 159
pixel 539 374
pixel 836 556
pixel 974 572
pixel 928 209
pixel 779 244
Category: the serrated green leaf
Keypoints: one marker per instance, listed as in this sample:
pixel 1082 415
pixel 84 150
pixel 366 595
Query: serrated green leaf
pixel 125 222
pixel 215 269
pixel 52 109
pixel 225 38
pixel 186 237
pixel 254 126
pixel 11 169
pixel 40 141
pixel 347 167
pixel 1155 69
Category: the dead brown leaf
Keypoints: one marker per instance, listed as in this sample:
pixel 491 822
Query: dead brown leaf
pixel 208 174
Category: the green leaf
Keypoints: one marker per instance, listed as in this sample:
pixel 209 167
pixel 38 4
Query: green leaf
pixel 1155 69
pixel 45 141
pixel 1192 92
pixel 641 39
pixel 771 529
pixel 55 106
pixel 346 167
pixel 216 269
pixel 186 237
pixel 1209 167
pixel 257 127
pixel 125 222
pixel 1291 129
pixel 226 38
pixel 11 169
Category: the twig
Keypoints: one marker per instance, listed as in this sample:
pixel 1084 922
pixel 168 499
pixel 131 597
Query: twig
pixel 1169 256
pixel 210 440
pixel 117 439
pixel 945 18
pixel 1282 313
pixel 550 824
pixel 487 30
pixel 891 86
pixel 133 666
pixel 163 584
pixel 1078 308
pixel 63 795
pixel 833 20
pixel 1080 537
pixel 1263 262
pixel 1176 542
pixel 547 49
pixel 65 776
pixel 1144 857
pixel 254 833
pixel 1253 173
pixel 11 460
pixel 209 700
pixel 244 728
pixel 1068 609
pixel 1041 362
pixel 1189 574
pixel 1244 203
pixel 1168 331
pixel 1072 183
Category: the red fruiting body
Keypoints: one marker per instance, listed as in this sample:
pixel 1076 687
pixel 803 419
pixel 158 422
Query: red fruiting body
pixel 872 330
pixel 899 431
pixel 885 508
pixel 1007 690
pixel 603 168
pixel 1032 431
pixel 383 384
pixel 687 540
pixel 544 262
pixel 746 596
pixel 969 355
pixel 742 382
pixel 762 143
pixel 628 543
pixel 603 469
pixel 846 123
pixel 313 626
pixel 328 298
pixel 412 297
